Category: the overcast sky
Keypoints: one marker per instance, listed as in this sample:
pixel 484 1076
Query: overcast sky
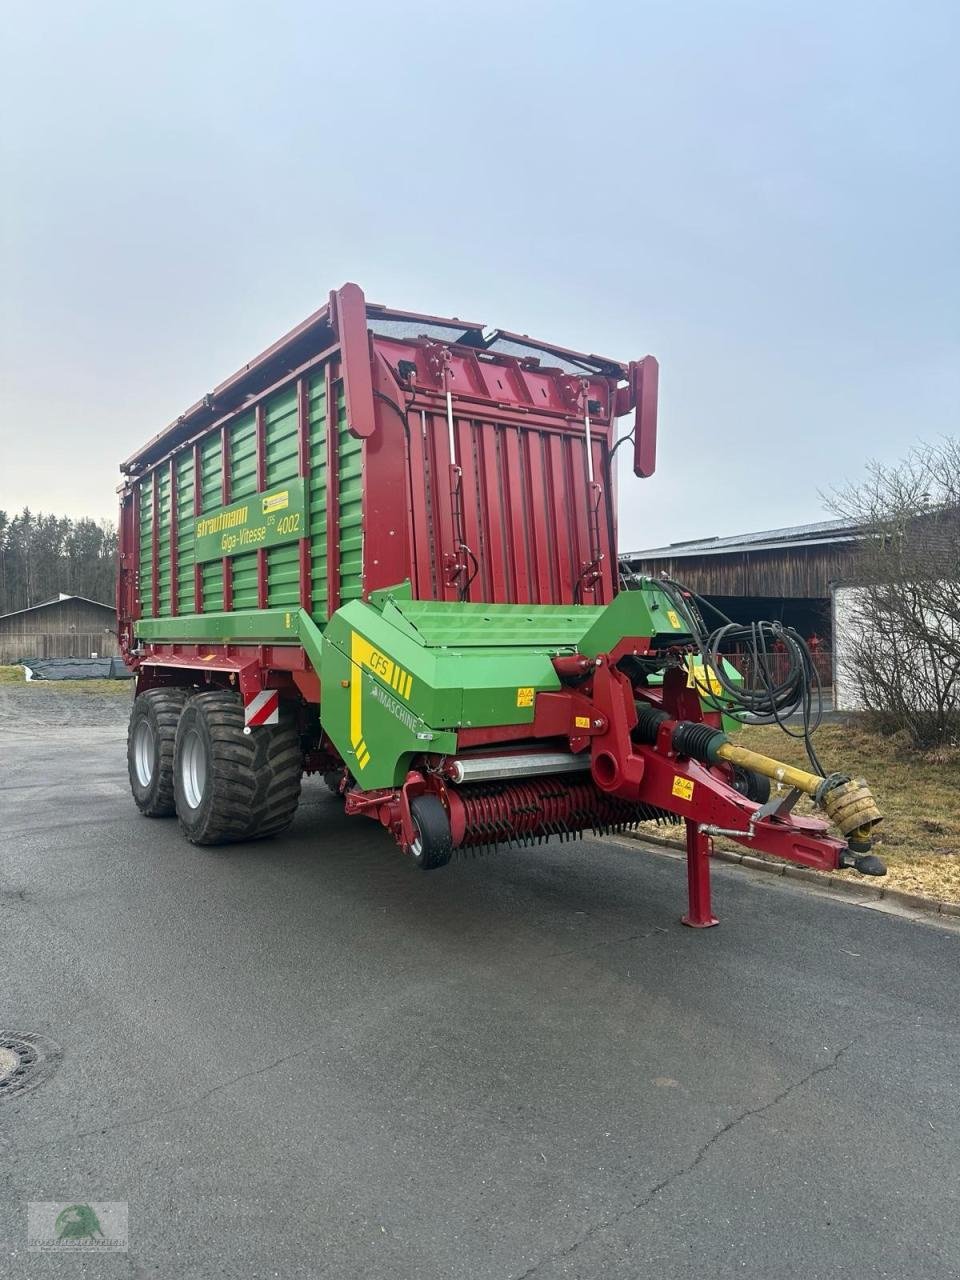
pixel 764 195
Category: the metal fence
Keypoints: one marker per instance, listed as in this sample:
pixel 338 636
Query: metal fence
pixel 779 664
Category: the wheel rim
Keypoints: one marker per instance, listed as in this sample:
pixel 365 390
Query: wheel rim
pixel 416 849
pixel 193 768
pixel 144 751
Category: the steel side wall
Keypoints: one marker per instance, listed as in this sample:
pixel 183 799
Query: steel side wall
pixel 387 498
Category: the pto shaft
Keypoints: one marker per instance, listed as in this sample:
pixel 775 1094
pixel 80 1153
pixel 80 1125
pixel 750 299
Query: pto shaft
pixel 770 768
pixel 847 802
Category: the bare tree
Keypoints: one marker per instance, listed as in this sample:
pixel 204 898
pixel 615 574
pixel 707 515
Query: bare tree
pixel 905 659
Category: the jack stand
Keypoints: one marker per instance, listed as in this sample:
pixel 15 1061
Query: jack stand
pixel 699 912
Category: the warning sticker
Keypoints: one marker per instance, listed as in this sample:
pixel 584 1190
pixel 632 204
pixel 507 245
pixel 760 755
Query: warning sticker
pixel 704 681
pixel 525 696
pixel 276 502
pixel 683 787
pixel 673 619
pixel 581 722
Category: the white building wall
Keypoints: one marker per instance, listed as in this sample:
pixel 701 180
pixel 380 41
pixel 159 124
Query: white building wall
pixel 847 631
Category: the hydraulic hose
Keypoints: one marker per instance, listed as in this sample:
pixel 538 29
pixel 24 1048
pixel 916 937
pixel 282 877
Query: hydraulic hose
pixel 770 698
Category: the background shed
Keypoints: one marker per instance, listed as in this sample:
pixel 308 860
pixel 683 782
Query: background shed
pixel 68 627
pixel 780 574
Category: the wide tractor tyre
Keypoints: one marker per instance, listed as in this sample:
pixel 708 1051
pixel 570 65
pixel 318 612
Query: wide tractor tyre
pixel 230 785
pixel 150 740
pixel 433 846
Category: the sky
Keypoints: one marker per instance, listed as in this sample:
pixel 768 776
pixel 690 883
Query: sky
pixel 765 195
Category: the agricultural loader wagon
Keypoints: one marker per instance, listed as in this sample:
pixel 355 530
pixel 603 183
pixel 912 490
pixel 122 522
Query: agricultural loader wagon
pixel 385 551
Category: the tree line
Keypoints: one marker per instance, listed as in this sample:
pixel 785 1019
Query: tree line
pixel 42 555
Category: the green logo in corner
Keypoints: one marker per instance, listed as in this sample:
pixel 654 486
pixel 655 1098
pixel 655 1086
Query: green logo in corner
pixel 77 1222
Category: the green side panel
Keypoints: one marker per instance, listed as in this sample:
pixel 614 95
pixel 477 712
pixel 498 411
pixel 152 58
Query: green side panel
pixel 185 600
pixel 276 625
pixel 243 484
pixel 400 676
pixel 210 498
pixel 436 624
pixel 378 727
pixel 163 542
pixel 283 576
pixel 350 533
pixel 243 457
pixel 646 611
pixel 317 495
pixel 245 580
pixel 211 473
pixel 415 689
pixel 309 496
pixel 212 587
pixel 148 604
pixel 280 437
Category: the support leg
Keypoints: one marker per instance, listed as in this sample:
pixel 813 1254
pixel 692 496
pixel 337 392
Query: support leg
pixel 699 912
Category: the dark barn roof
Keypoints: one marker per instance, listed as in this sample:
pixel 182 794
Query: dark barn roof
pixel 60 599
pixel 798 561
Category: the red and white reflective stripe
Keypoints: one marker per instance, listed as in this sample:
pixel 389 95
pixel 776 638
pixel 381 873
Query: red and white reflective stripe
pixel 262 708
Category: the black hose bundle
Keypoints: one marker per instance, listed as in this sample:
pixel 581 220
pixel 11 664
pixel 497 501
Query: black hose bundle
pixel 765 696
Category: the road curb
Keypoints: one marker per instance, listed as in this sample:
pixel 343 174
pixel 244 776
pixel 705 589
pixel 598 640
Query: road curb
pixel 806 875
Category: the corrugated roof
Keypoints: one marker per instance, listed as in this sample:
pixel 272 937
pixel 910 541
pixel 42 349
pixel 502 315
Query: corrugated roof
pixel 818 533
pixel 60 599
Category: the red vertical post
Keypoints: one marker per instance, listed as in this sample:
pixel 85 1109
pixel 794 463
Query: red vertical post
pixel 134 556
pixel 514 495
pixel 333 497
pixel 225 499
pixel 699 911
pixel 261 445
pixel 355 360
pixel 174 554
pixel 155 546
pixel 197 510
pixel 303 442
pixel 421 562
pixel 496 563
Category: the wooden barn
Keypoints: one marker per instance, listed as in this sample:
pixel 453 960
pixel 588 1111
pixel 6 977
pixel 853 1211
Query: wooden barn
pixel 68 627
pixel 781 574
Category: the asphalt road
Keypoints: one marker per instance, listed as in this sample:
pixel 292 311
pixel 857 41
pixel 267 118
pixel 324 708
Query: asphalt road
pixel 304 1058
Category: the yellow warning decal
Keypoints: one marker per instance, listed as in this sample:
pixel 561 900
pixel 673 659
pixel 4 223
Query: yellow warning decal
pixel 704 681
pixel 364 655
pixel 525 696
pixel 674 620
pixel 276 502
pixel 682 787
pixel 581 722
